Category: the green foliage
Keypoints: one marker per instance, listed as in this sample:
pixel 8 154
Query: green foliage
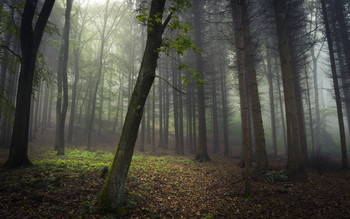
pixel 178 39
pixel 276 176
pixel 6 106
pixel 190 72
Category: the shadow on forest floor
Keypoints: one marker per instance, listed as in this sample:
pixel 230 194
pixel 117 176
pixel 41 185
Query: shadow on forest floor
pixel 166 186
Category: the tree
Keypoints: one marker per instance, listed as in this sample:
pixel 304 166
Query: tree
pixel 259 135
pixel 62 82
pixel 77 50
pixel 105 35
pixel 202 152
pixel 294 163
pixel 30 39
pixel 111 196
pixel 336 86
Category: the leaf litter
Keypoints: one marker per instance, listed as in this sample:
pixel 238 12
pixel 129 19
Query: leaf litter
pixel 168 187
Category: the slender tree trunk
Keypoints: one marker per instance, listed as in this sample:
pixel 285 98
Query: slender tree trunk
pixel 308 98
pixel 336 87
pixel 215 114
pixel 269 75
pixel 103 39
pixel 282 113
pixel 161 137
pixel 153 120
pixel 166 111
pixel 181 123
pixel 224 105
pixel 317 102
pixel 202 152
pixel 61 111
pixel 118 104
pixel 76 53
pixel 176 107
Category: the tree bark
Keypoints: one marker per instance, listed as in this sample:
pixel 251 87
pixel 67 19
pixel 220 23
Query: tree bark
pixel 259 135
pixel 294 163
pixel 111 196
pixel 61 112
pixel 202 153
pixel 336 87
pixel 30 41
pixel 237 6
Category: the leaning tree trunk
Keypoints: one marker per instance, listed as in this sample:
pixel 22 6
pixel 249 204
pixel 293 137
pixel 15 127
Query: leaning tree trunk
pixel 30 41
pixel 111 196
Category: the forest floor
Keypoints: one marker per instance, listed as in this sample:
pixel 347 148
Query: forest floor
pixel 167 187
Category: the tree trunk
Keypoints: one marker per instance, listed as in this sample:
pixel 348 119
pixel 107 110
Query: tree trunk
pixel 176 107
pixel 153 119
pixel 61 112
pixel 76 52
pixel 215 114
pixel 224 106
pixel 282 113
pixel 202 153
pixel 111 196
pixel 269 75
pixel 259 136
pixel 294 163
pixel 237 6
pixel 161 137
pixel 317 102
pixel 336 87
pixel 30 41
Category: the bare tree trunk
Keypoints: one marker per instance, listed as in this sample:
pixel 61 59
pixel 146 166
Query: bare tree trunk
pixel 317 102
pixel 30 40
pixel 215 114
pixel 269 75
pixel 161 137
pixel 202 153
pixel 259 135
pixel 224 105
pixel 62 82
pixel 240 38
pixel 282 113
pixel 153 120
pixel 336 87
pixel 176 107
pixel 294 163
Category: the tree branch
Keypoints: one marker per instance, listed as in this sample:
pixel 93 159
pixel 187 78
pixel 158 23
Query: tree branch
pixel 177 89
pixel 11 51
pixel 167 20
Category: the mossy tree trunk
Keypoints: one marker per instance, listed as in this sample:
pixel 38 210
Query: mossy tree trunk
pixel 111 196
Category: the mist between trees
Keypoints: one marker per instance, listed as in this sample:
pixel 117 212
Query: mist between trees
pixel 258 78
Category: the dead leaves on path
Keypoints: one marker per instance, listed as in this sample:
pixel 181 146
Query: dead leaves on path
pixel 172 187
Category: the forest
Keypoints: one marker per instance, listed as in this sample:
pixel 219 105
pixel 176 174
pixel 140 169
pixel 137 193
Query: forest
pixel 174 108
